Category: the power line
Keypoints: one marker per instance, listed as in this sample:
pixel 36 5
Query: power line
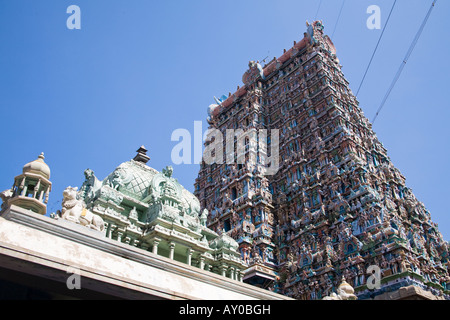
pixel 318 9
pixel 376 48
pixel 405 60
pixel 338 18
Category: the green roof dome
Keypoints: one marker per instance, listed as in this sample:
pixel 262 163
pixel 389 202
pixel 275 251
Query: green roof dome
pixel 132 178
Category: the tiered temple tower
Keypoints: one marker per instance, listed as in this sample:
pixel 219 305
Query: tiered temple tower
pixel 336 207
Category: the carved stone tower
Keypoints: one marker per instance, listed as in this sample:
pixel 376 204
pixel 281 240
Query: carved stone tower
pixel 337 206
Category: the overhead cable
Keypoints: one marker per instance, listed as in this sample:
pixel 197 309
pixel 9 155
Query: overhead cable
pixel 376 47
pixel 405 60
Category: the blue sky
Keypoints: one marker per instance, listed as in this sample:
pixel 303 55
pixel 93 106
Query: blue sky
pixel 137 70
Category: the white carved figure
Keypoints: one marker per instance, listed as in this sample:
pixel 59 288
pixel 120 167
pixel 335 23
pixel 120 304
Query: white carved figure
pixel 5 196
pixel 344 292
pixel 203 217
pixel 74 210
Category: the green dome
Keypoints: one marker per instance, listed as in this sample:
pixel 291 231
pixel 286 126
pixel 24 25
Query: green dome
pixel 224 241
pixel 131 178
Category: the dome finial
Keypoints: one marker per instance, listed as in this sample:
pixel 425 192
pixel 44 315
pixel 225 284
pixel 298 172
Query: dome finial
pixel 142 155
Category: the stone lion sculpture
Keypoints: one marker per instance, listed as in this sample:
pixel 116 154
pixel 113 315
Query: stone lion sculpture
pixel 74 210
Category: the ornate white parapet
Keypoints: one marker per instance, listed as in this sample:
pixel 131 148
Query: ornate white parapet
pixel 46 249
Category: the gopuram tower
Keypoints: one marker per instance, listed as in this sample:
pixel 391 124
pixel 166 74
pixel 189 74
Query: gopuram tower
pixel 335 206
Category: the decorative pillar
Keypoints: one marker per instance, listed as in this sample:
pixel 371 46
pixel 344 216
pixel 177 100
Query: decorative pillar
pixel 108 231
pixel 22 186
pixel 119 235
pixel 155 245
pixel 24 191
pixel 47 193
pixel 239 275
pixel 224 270
pixel 189 252
pixel 41 195
pixel 232 274
pixel 172 250
pixel 202 263
pixel 36 188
